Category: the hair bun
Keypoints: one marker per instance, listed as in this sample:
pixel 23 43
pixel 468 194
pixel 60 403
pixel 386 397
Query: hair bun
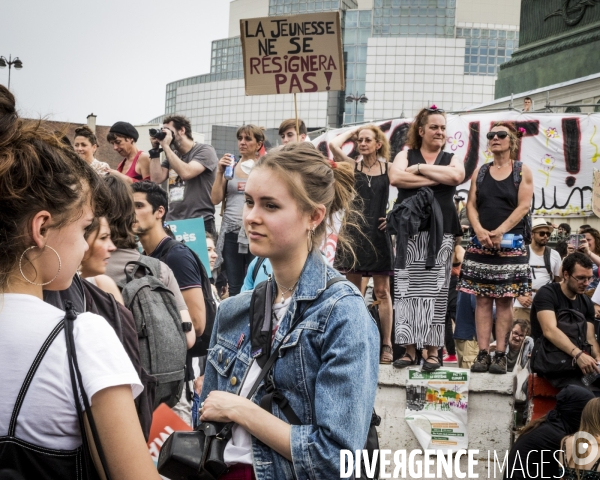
pixel 83 129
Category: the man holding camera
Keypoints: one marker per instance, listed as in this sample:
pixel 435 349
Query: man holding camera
pixel 190 167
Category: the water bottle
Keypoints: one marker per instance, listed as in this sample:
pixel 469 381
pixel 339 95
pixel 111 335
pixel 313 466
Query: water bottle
pixel 229 169
pixel 509 240
pixel 588 379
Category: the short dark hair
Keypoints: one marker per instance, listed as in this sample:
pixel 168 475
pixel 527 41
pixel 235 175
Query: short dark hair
pixel 523 325
pixel 584 226
pixel 155 195
pixel 291 123
pixel 179 122
pixel 121 215
pixel 528 98
pixel 561 248
pixel 86 132
pixel 576 258
pixel 566 227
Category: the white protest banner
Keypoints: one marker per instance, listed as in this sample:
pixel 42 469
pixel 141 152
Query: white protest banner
pixel 596 193
pixel 560 149
pixel 436 408
pixel 292 54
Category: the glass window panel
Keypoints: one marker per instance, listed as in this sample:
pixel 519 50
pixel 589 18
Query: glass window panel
pixel 365 18
pixel 459 32
pixel 350 54
pixel 385 29
pixel 466 69
pixel 474 42
pixel 413 30
pixel 473 59
pixel 335 5
pixel 396 3
pixel 428 21
pixel 493 43
pixel 475 32
pixel 485 33
pixel 386 20
pixel 395 29
pixel 350 36
pixel 467 58
pixel 491 70
pixel 404 20
pixel 377 21
pixel 395 20
pixel 509 44
pixel 509 52
pixel 413 21
pixel 482 69
pixel 510 34
pixel 430 30
pixel 441 3
pixel 500 60
pixel 502 34
pixel 395 12
pixel 361 54
pixel 414 12
pixel 501 52
pixel 492 52
pixel 387 12
pixel 484 42
pixel 361 70
pixel 440 21
pixel 350 88
pixel 350 71
pixel 467 32
pixel 363 35
pixel 378 3
pixel 360 86
pixel 473 69
pixel 303 7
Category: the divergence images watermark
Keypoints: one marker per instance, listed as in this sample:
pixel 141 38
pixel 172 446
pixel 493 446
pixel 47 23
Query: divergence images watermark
pixel 439 463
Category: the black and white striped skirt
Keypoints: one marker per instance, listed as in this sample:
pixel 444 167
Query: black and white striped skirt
pixel 421 295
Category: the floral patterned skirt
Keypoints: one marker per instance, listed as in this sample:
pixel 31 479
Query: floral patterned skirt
pixel 492 272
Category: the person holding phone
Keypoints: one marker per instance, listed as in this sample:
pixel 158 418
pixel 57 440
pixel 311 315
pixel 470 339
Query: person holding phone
pixel 493 273
pixel 590 246
pixel 232 244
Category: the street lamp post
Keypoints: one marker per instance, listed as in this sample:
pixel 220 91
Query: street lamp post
pixel 356 99
pixel 10 62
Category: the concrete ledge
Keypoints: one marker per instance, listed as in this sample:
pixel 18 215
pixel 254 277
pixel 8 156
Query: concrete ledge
pixel 490 415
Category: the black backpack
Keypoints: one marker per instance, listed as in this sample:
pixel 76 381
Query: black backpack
pixel 547 263
pixel 517 177
pixel 200 348
pixel 549 361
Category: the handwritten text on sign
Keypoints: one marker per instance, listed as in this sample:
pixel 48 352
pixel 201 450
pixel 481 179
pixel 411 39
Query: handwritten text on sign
pixel 292 54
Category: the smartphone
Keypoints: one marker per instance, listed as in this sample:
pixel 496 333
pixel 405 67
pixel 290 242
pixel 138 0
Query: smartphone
pixel 575 240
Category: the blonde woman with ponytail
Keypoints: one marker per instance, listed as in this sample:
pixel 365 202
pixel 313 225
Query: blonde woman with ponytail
pixel 327 365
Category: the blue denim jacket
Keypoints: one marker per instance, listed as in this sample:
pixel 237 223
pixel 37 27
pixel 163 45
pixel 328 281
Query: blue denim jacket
pixel 327 370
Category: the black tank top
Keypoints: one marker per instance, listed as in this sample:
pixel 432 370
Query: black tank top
pixel 496 200
pixel 444 194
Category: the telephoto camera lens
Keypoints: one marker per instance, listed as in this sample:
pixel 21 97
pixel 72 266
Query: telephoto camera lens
pixel 158 134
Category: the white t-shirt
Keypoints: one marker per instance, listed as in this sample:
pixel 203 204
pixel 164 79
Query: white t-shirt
pixel 48 417
pixel 539 274
pixel 239 447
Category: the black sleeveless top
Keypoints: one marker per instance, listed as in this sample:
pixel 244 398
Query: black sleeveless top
pixel 496 200
pixel 444 194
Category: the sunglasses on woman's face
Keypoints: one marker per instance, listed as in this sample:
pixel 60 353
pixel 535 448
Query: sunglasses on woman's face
pixel 435 110
pixel 501 135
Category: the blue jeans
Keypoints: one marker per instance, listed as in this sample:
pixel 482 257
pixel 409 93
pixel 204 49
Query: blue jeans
pixel 236 263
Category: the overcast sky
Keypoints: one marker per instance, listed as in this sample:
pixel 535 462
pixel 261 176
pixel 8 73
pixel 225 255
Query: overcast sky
pixel 111 58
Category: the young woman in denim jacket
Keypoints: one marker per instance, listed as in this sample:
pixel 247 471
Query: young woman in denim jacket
pixel 328 364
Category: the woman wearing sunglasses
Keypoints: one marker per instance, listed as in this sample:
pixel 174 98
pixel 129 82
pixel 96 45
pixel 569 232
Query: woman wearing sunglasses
pixel 493 273
pixel 421 282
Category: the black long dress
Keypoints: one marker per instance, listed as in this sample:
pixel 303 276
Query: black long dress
pixel 373 248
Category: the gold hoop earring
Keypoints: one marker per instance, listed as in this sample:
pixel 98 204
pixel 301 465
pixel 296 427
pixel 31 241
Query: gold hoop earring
pixel 21 266
pixel 310 235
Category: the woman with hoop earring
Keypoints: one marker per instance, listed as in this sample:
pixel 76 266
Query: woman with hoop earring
pixel 373 246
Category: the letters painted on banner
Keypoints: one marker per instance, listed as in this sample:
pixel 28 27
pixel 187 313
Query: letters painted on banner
pixel 561 150
pixel 292 54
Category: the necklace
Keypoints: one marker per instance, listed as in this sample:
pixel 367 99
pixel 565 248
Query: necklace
pixel 285 290
pixel 500 166
pixel 369 177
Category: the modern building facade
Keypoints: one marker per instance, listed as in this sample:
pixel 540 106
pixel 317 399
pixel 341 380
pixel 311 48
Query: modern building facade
pixel 401 54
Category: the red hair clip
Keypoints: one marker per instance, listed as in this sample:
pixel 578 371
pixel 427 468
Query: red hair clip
pixel 332 164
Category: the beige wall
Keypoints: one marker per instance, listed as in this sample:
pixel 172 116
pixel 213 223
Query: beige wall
pixel 507 12
pixel 365 4
pixel 239 9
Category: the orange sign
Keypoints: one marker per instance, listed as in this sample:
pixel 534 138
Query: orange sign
pixel 164 422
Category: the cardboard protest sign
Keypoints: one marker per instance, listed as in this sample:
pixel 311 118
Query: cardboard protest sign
pixel 193 234
pixel 292 54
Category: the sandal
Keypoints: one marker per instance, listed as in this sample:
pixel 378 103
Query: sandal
pixel 387 355
pixel 431 366
pixel 401 363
